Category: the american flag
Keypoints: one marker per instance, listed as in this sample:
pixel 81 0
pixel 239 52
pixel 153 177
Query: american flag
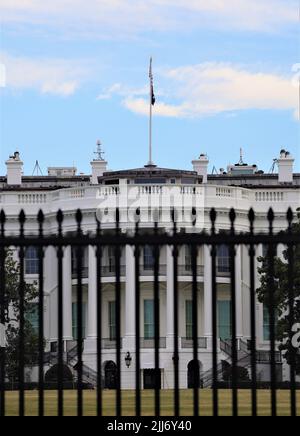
pixel 153 100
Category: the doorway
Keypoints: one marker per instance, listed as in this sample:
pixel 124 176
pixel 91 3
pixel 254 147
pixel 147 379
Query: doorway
pixel 110 375
pixel 194 374
pixel 151 377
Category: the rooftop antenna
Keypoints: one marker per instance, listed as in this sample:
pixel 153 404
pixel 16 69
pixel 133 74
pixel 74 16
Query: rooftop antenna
pixel 99 152
pixel 214 171
pixel 241 162
pixel 37 169
pixel 275 162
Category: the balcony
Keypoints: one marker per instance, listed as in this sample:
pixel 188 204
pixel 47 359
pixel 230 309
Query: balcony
pixel 150 343
pixel 186 270
pixel 110 271
pixel 110 344
pixel 223 272
pixel 187 343
pixel 266 357
pixel 149 272
pixel 84 273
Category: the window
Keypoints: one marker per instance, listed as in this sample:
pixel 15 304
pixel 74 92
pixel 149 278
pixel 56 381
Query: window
pixel 148 258
pixel 223 259
pixel 224 309
pixel 84 261
pixel 151 181
pixel 266 250
pixel 188 258
pixel 75 320
pixel 111 260
pixel 32 260
pixel 32 316
pixel 266 323
pixel 189 319
pixel 112 320
pixel 188 181
pixel 149 319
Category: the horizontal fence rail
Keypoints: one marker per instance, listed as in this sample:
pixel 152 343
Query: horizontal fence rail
pixel 227 359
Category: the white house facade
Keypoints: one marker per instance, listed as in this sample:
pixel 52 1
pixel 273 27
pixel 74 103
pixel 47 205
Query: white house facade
pixel 150 189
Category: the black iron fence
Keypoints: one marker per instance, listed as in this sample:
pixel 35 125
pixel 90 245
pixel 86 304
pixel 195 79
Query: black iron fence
pixel 236 349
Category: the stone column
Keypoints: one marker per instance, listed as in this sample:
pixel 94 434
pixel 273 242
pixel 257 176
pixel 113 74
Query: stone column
pixel 207 294
pixel 67 295
pixel 129 339
pixel 91 341
pixel 239 291
pixel 50 284
pixel 170 299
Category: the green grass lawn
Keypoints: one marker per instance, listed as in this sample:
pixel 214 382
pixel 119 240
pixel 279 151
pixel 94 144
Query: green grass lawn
pixel 128 398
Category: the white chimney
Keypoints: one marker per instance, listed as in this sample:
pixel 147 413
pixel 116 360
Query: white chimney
pixel 14 170
pixel 201 166
pixel 99 167
pixel 285 167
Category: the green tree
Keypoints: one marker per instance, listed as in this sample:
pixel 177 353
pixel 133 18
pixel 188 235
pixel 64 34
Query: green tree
pixel 12 319
pixel 281 297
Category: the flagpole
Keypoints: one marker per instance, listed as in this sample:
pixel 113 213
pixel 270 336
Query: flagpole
pixel 150 163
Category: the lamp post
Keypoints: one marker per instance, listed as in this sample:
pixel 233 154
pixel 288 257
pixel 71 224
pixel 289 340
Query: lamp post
pixel 128 360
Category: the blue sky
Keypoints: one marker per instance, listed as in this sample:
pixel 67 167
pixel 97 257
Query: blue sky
pixel 225 75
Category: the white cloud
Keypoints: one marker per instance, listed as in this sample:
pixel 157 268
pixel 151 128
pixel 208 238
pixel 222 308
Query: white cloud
pixel 2 76
pixel 122 91
pixel 242 14
pixel 48 76
pixel 109 18
pixel 141 106
pixel 212 88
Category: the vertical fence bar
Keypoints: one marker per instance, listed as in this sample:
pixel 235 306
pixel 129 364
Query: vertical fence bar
pixel 41 315
pixel 60 344
pixel 118 316
pixel 291 303
pixel 157 323
pixel 176 323
pixel 99 322
pixel 196 369
pixel 232 217
pixel 137 323
pixel 22 220
pixel 79 317
pixel 2 314
pixel 213 217
pixel 271 283
pixel 253 316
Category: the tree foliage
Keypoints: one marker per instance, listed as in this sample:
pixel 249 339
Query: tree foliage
pixel 12 318
pixel 281 283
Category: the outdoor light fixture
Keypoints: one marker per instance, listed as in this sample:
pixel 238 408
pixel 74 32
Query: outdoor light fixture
pixel 175 358
pixel 128 360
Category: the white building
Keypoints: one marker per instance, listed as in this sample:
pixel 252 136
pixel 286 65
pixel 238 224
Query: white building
pixel 149 188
